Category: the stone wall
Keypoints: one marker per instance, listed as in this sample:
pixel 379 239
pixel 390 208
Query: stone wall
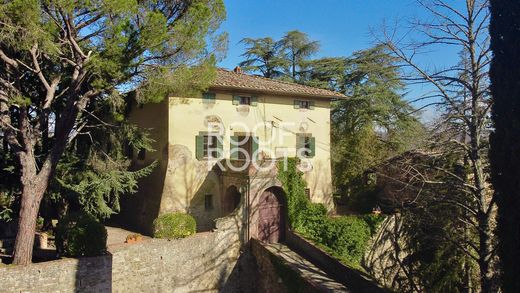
pixel 353 279
pixel 385 258
pixel 275 276
pixel 202 263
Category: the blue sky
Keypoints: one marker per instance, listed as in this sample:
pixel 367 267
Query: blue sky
pixel 341 26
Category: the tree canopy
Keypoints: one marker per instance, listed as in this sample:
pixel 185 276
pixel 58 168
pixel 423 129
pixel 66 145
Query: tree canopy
pixel 376 122
pixel 287 58
pixel 263 55
pixel 63 61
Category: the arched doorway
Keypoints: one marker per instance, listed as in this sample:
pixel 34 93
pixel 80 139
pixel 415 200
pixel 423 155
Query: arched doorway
pixel 231 199
pixel 271 215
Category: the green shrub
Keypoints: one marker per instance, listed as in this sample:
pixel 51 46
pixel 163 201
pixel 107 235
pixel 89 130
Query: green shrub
pixel 343 237
pixel 80 234
pixel 312 221
pixel 174 225
pixel 373 221
pixel 347 237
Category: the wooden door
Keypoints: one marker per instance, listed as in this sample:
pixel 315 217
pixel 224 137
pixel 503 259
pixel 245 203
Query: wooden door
pixel 270 223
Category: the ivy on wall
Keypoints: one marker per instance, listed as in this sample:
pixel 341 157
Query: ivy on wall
pixel 344 237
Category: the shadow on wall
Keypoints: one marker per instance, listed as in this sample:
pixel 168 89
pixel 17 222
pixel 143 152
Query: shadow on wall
pixel 210 268
pixel 218 263
pixel 93 274
pixel 139 210
pixel 199 263
pixel 386 259
pixel 318 186
pixel 190 188
pixel 231 199
pixel 245 276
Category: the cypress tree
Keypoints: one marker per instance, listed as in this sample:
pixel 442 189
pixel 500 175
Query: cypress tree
pixel 505 140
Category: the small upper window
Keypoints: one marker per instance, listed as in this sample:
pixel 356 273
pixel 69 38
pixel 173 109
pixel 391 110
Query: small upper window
pixel 302 104
pixel 245 100
pixel 208 98
pixel 305 104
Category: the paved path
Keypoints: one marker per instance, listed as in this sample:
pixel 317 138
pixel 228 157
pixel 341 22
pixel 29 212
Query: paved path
pixel 316 276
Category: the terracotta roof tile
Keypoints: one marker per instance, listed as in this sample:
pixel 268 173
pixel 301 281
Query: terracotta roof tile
pixel 230 80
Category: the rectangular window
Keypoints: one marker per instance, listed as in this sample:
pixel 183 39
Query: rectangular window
pixel 308 193
pixel 245 100
pixel 208 202
pixel 305 145
pixel 210 146
pixel 245 147
pixel 305 105
pixel 301 104
pixel 208 98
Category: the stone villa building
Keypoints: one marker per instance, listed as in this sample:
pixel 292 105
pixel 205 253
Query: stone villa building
pixel 221 149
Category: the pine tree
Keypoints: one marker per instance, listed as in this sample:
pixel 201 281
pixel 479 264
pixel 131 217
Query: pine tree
pixel 375 122
pixel 298 49
pixel 59 59
pixel 263 55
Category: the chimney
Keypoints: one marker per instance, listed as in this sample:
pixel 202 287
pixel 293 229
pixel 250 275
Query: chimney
pixel 237 69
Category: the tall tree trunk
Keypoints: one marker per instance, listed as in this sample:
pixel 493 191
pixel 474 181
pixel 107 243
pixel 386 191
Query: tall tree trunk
pixel 30 203
pixel 33 187
pixel 485 254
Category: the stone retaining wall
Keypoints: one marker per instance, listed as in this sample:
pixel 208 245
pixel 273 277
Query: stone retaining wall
pixel 202 262
pixel 353 279
pixel 275 276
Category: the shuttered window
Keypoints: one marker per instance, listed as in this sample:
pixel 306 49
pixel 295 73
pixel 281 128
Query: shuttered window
pixel 233 140
pixel 245 100
pixel 305 145
pixel 208 146
pixel 303 104
pixel 208 98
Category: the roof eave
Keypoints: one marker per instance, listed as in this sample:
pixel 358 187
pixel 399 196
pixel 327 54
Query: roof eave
pixel 275 92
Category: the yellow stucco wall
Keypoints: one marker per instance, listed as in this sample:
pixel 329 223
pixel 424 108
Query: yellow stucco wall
pixel 181 182
pixel 187 118
pixel 139 210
